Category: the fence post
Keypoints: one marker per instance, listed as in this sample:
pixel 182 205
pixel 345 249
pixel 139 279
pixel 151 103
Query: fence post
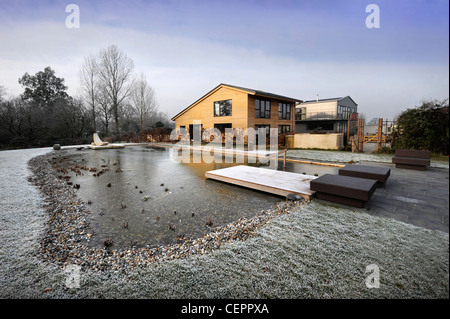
pixel 360 135
pixel 380 133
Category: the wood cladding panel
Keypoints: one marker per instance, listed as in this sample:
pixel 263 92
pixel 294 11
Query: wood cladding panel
pixel 204 110
pixel 243 111
pixel 274 122
pixel 320 107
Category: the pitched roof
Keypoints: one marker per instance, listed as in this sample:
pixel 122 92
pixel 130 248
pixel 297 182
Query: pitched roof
pixel 247 90
pixel 330 99
pixel 263 93
pixel 322 100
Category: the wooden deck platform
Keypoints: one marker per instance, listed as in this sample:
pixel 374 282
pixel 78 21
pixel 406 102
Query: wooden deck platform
pixel 266 180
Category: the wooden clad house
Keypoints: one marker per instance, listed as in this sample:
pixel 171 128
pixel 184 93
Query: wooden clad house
pixel 230 106
pixel 326 115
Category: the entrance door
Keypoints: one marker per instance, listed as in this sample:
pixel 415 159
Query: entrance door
pixel 222 127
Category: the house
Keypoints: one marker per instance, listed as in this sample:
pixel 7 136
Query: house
pixel 230 106
pixel 326 115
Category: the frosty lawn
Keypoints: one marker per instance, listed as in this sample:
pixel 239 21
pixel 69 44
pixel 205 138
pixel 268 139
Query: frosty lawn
pixel 318 251
pixel 345 157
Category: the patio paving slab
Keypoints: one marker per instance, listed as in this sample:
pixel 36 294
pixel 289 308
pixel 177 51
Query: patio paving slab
pixel 420 198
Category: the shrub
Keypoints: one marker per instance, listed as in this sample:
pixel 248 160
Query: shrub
pixel 424 127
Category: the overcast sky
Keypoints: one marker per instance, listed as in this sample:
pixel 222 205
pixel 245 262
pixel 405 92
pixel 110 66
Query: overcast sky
pixel 293 48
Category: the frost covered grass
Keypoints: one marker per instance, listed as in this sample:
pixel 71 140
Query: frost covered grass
pixel 318 251
pixel 338 156
pixel 315 251
pixel 345 157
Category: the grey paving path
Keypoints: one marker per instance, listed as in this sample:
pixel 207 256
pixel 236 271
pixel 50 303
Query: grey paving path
pixel 420 198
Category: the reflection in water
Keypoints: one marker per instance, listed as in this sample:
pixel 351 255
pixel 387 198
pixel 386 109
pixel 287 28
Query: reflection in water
pixel 153 199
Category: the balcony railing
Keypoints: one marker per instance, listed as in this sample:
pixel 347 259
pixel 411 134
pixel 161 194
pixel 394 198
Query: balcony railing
pixel 314 116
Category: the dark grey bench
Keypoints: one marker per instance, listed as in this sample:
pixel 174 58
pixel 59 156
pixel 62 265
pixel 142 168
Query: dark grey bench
pixel 380 174
pixel 411 159
pixel 353 191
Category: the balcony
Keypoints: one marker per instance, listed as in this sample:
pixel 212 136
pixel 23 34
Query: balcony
pixel 319 116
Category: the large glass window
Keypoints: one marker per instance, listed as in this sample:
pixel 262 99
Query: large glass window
pixel 344 112
pixel 342 127
pixel 222 108
pixel 262 109
pixel 320 126
pixel 284 111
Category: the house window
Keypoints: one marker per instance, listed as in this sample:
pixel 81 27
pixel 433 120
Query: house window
pixel 262 109
pixel 222 108
pixel 342 127
pixel 284 111
pixel 300 113
pixel 344 112
pixel 284 129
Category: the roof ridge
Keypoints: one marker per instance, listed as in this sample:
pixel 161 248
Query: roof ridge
pixel 252 91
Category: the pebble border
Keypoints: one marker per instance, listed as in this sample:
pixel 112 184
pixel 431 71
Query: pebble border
pixel 67 231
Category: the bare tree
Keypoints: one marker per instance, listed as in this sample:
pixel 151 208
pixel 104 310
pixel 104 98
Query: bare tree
pixel 115 72
pixel 105 110
pixel 143 100
pixel 128 119
pixel 89 81
pixel 2 93
pixel 12 117
pixel 362 116
pixel 73 117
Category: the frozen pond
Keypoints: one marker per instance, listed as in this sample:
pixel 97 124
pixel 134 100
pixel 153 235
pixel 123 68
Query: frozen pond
pixel 143 197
